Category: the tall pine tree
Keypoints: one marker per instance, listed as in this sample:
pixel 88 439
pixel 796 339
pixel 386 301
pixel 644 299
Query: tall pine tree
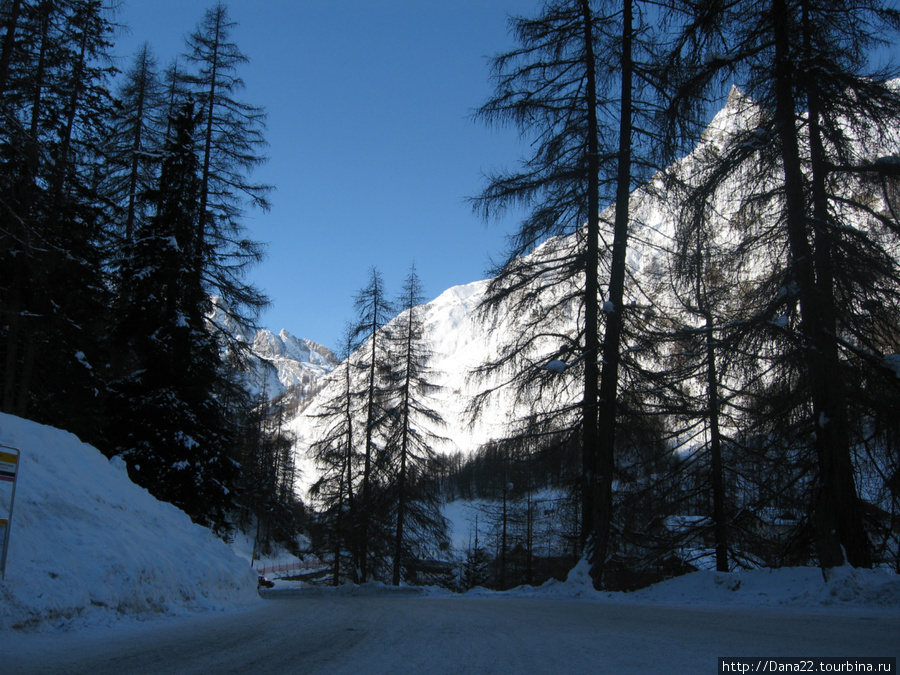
pixel 571 86
pixel 825 122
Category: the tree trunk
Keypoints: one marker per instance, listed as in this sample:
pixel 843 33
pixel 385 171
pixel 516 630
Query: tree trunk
pixel 717 472
pixel 590 440
pixel 199 243
pixel 609 376
pixel 401 513
pixel 136 147
pixel 404 449
pixel 837 517
pixel 9 42
pixel 367 468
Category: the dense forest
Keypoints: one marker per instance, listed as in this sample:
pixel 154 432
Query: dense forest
pixel 122 200
pixel 734 405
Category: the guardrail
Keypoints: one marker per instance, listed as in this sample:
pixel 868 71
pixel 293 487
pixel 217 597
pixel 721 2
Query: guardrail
pixel 295 566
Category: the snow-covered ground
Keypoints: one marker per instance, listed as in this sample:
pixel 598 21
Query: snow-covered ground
pixel 790 588
pixel 383 633
pixel 88 548
pixel 88 545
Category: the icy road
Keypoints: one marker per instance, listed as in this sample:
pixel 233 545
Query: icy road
pixel 461 635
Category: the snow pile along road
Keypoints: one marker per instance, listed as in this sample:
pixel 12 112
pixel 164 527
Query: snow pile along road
pixel 86 543
pixel 790 588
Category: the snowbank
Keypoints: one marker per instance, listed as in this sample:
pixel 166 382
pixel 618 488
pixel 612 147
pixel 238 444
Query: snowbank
pixel 86 543
pixel 795 587
pixel 787 587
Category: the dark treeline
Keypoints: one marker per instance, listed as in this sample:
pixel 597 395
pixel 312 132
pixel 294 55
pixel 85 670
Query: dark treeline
pixel 736 380
pixel 525 504
pixel 484 473
pixel 121 201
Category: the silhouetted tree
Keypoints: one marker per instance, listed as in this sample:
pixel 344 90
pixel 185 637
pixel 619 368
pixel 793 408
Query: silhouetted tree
pixel 824 128
pixel 53 290
pixel 167 415
pixel 571 86
pixel 339 463
pixel 373 311
pixel 419 526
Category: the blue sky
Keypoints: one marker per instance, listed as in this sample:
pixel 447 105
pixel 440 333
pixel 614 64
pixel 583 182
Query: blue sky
pixel 372 148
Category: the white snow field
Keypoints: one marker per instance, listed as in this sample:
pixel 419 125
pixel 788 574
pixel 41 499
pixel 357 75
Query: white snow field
pixel 103 578
pixel 87 544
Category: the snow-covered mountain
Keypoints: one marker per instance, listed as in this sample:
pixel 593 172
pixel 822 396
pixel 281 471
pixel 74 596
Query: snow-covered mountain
pixel 462 339
pixel 279 365
pixel 286 365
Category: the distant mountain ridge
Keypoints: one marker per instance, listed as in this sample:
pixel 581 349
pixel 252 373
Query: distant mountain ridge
pixel 278 366
pixel 285 364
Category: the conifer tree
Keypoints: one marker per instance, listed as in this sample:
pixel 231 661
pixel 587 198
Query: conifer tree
pixel 419 526
pixel 266 486
pixel 820 136
pixel 704 333
pixel 167 415
pixel 134 150
pixel 339 464
pixel 548 87
pixel 54 292
pixel 373 311
pixel 571 85
pixel 230 139
pixel 178 361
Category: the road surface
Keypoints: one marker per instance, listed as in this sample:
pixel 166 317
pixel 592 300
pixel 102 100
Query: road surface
pixel 462 635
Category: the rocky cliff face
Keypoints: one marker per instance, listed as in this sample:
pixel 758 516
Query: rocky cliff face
pixel 287 366
pixel 278 366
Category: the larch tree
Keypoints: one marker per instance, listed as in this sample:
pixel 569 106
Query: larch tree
pixel 230 143
pixel 826 126
pixel 339 464
pixel 713 320
pixel 167 417
pixel 575 87
pixel 266 487
pixel 179 358
pixel 373 311
pixel 213 143
pixel 547 88
pixel 134 148
pixel 419 526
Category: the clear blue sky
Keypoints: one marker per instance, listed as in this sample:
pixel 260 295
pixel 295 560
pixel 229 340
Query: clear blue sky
pixel 372 148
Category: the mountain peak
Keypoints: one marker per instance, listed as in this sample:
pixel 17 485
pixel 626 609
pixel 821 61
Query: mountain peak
pixel 282 364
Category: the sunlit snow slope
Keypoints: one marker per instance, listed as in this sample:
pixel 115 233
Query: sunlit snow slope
pixel 462 339
pixel 86 542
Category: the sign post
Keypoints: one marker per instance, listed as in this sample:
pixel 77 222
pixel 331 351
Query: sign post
pixel 9 471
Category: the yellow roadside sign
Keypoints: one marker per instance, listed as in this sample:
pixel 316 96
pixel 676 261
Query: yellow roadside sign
pixel 9 464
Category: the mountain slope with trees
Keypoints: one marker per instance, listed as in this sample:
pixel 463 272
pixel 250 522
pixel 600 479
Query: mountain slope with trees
pixel 679 501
